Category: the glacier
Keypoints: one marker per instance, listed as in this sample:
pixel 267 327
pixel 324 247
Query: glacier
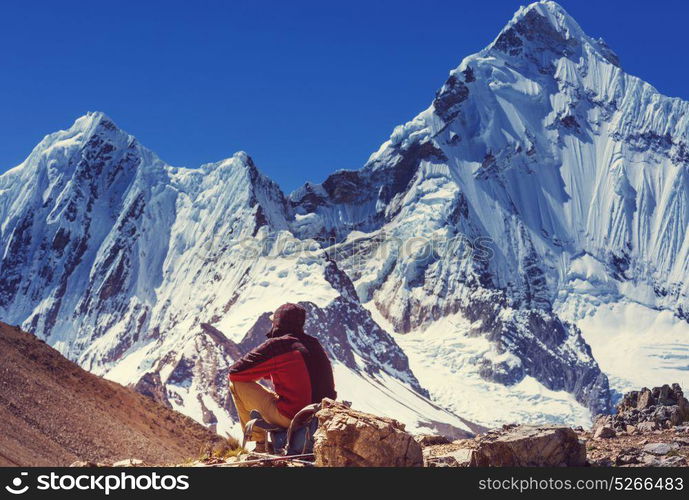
pixel 518 251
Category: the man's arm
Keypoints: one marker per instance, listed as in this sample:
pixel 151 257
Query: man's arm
pixel 255 365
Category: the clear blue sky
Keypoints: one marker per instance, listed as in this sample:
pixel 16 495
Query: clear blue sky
pixel 304 87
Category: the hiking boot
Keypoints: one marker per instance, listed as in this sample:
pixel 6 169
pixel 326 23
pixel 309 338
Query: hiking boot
pixel 260 447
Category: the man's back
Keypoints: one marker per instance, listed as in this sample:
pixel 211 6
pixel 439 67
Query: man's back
pixel 298 367
pixel 295 362
pixel 319 367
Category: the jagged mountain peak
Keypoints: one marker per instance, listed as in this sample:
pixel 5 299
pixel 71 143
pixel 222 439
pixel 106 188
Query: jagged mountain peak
pixel 84 126
pixel 94 119
pixel 84 151
pixel 552 13
pixel 525 61
pixel 240 159
pixel 82 130
pixel 544 146
pixel 237 179
pixel 239 166
pixel 547 27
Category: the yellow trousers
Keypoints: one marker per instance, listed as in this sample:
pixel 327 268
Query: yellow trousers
pixel 249 396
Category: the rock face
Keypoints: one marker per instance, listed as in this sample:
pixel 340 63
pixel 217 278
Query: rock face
pixel 350 438
pixel 530 446
pixel 647 410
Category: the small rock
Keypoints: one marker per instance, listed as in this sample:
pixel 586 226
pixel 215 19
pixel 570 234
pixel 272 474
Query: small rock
pixel 626 459
pixel 632 430
pixel 676 461
pixel 601 462
pixel 601 421
pixel 657 448
pixel 431 440
pixel 604 432
pixel 646 427
pixel 130 462
pixel 83 463
pixel 443 461
pixel 457 458
pixel 651 461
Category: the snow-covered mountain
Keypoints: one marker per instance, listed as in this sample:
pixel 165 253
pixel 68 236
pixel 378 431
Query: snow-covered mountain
pixel 574 174
pixel 526 230
pixel 150 275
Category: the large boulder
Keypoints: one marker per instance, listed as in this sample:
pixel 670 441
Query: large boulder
pixel 646 399
pixel 350 438
pixel 604 432
pixel 530 446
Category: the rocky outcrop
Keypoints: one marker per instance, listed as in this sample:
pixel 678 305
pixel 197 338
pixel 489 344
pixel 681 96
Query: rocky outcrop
pixel 350 438
pixel 647 410
pixel 646 431
pixel 529 446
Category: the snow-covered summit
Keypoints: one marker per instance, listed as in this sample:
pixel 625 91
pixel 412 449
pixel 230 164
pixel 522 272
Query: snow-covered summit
pixel 544 148
pixel 546 27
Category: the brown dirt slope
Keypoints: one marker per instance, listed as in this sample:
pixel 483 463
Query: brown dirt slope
pixel 53 413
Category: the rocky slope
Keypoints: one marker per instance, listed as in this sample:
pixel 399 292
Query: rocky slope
pixel 526 230
pixel 53 413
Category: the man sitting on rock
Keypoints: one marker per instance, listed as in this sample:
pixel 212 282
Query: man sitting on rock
pixel 297 365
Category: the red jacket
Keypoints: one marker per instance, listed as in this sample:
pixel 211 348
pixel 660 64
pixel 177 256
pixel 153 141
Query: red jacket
pixel 295 362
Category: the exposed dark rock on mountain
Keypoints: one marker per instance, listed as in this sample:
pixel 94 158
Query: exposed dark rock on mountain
pixel 648 409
